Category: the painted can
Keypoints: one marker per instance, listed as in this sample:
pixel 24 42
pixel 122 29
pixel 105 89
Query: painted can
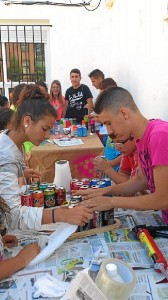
pixel 61 196
pixel 94 181
pixel 84 187
pixel 80 131
pixel 30 191
pixel 84 131
pixel 49 198
pixel 75 200
pixel 38 198
pixel 34 186
pixel 97 219
pixel 108 217
pixel 87 226
pixel 107 181
pixel 78 185
pixel 52 186
pixel 102 184
pixel 86 181
pixel 43 186
pixel 26 199
pixel 95 186
pixel 73 184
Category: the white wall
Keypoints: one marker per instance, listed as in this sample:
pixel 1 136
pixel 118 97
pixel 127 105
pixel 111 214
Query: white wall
pixel 128 42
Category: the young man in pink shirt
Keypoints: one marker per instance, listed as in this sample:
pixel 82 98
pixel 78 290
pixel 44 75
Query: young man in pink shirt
pixel 118 111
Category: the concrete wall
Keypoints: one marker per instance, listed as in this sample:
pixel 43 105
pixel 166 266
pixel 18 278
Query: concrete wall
pixel 128 42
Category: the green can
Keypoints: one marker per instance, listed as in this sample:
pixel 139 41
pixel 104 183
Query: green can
pixel 50 199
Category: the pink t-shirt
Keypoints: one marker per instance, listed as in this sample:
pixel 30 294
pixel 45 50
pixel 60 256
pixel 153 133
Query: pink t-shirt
pixel 129 164
pixel 153 151
pixel 58 107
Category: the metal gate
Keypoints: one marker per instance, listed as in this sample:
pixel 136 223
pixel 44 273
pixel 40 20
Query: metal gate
pixel 22 55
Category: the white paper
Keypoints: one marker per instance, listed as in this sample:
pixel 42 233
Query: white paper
pixel 56 239
pixel 68 142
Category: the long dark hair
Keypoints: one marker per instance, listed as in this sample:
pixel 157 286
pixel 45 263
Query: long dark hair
pixel 34 104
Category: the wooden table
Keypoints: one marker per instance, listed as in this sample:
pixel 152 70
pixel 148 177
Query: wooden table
pixel 80 158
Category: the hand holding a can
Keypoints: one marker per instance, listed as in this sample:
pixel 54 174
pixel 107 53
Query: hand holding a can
pixel 93 116
pixel 78 215
pixel 31 173
pixel 98 203
pixel 101 164
pixel 90 193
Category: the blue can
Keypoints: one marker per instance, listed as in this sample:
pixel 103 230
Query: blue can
pixel 94 181
pixel 107 181
pixel 102 184
pixel 80 131
pixel 84 131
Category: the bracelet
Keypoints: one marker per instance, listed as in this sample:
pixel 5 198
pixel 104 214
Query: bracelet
pixel 53 218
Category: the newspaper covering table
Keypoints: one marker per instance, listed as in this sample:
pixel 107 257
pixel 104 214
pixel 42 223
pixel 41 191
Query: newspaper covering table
pixel 74 256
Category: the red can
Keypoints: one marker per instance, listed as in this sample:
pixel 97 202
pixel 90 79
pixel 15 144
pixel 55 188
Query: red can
pixel 26 199
pixel 86 181
pixel 61 196
pixel 73 183
pixel 78 185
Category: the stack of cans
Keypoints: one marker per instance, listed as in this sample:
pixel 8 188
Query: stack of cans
pixel 44 195
pixel 100 219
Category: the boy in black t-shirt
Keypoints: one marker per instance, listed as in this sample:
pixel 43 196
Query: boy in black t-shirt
pixel 78 98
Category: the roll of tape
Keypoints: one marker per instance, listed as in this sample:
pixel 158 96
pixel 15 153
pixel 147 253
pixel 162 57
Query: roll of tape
pixel 112 289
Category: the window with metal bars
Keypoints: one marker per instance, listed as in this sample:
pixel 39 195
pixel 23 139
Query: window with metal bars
pixel 22 54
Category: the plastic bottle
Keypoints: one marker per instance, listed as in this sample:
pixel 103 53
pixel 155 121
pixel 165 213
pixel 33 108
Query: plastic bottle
pixel 86 119
pixel 92 126
pixel 61 125
pixel 56 128
pixel 112 272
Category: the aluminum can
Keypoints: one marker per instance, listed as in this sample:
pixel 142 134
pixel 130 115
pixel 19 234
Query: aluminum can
pixel 73 183
pixel 61 195
pixel 52 186
pixel 87 226
pixel 38 198
pixel 34 186
pixel 75 200
pixel 107 181
pixel 26 199
pixel 84 187
pixel 49 198
pixel 74 130
pixel 94 181
pixel 86 181
pixel 102 184
pixel 108 217
pixel 78 185
pixel 97 219
pixel 95 186
pixel 84 131
pixel 43 186
pixel 80 131
pixel 30 191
